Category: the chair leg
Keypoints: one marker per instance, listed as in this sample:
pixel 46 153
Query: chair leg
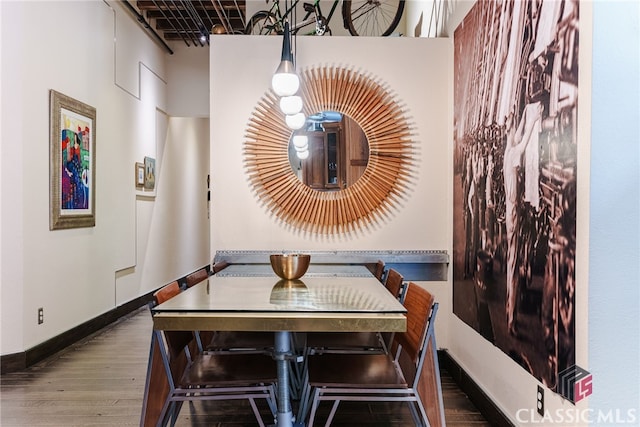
pixel 196 334
pixel 421 419
pixel 314 407
pixel 334 408
pixel 271 401
pixel 175 412
pixel 252 401
pixel 414 413
pixel 174 419
pixel 304 401
pixel 166 413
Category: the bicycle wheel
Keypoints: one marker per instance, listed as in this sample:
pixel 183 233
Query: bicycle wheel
pixel 263 23
pixel 372 17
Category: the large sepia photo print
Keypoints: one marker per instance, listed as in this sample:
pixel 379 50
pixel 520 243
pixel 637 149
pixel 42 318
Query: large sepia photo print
pixel 515 142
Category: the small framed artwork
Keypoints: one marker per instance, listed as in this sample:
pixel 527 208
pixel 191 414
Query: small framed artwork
pixel 149 173
pixel 72 163
pixel 139 174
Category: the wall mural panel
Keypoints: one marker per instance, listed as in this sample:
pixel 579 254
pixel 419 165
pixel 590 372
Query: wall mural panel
pixel 374 195
pixel 515 136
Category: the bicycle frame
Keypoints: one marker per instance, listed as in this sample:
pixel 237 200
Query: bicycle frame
pixel 307 19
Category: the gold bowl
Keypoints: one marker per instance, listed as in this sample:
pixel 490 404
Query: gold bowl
pixel 290 266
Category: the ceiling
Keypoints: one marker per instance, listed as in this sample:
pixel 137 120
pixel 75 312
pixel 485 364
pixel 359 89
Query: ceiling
pixel 188 21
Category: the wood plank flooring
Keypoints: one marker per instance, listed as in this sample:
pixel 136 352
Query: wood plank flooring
pixel 100 382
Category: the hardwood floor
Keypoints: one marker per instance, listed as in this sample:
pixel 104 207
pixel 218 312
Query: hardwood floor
pixel 100 381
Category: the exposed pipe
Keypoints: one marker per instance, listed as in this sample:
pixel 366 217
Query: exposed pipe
pixel 203 7
pixel 179 18
pixel 222 15
pixel 147 27
pixel 197 20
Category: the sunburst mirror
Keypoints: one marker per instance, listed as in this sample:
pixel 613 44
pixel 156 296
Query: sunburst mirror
pixel 384 174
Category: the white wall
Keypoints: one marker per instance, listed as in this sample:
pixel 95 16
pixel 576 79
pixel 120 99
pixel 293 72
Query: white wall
pixel 614 251
pixel 188 81
pixel 105 60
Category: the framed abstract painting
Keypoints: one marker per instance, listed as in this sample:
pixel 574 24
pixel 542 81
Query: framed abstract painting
pixel 72 168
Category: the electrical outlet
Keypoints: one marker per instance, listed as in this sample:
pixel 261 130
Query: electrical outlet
pixel 540 401
pixel 40 316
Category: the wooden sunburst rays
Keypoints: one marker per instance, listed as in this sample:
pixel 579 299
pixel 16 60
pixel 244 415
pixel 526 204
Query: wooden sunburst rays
pixel 373 195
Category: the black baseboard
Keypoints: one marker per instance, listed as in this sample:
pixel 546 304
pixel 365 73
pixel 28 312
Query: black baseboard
pixel 476 395
pixel 20 361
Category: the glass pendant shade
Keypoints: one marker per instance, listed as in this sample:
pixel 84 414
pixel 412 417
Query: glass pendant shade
pixel 302 154
pixel 291 104
pixel 295 121
pixel 300 142
pixel 285 81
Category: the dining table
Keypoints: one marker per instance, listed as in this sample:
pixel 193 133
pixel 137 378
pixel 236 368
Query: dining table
pixel 328 298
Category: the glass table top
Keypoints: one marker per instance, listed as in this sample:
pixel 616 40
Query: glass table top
pixel 268 293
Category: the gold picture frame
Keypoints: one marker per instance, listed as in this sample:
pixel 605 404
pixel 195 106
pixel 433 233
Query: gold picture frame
pixel 374 195
pixel 72 163
pixel 139 178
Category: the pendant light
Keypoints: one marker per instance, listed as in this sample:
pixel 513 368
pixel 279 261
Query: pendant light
pixel 285 81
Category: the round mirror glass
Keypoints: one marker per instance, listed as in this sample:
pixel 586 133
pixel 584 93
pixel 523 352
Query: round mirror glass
pixel 330 152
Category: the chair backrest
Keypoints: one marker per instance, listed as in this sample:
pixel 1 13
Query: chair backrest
pixel 218 266
pixel 393 282
pixel 196 277
pixel 379 270
pixel 166 292
pixel 419 303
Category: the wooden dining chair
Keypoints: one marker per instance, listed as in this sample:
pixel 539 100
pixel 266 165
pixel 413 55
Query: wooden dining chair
pixel 169 291
pixel 356 342
pixel 196 277
pixel 218 342
pixel 194 376
pixel 166 292
pixel 351 342
pixel 409 373
pixel 238 341
pixel 191 279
